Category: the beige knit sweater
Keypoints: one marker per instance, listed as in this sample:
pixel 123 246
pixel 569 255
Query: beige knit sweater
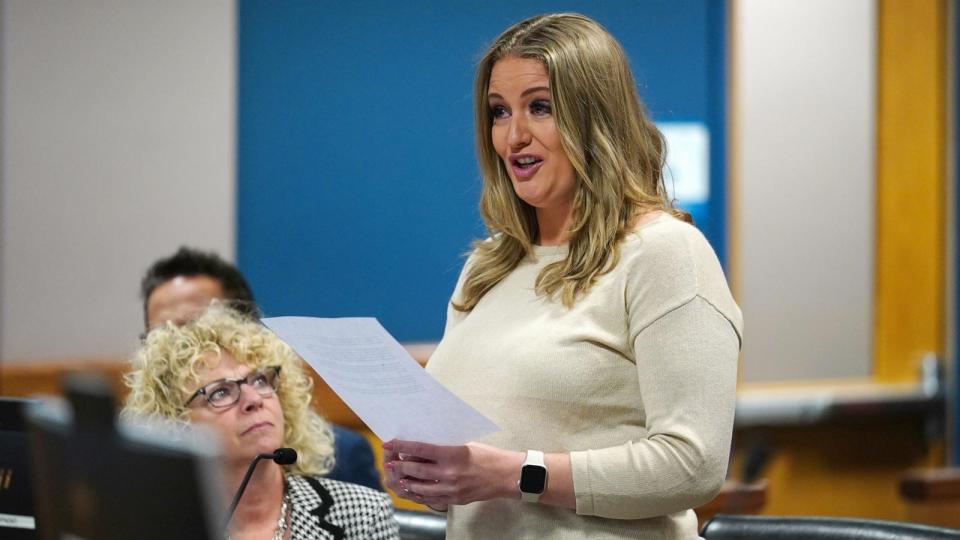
pixel 637 382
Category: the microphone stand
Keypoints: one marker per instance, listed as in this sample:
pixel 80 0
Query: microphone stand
pixel 283 456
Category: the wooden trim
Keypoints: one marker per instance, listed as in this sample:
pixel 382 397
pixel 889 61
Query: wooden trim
pixel 926 485
pixel 734 498
pixel 911 186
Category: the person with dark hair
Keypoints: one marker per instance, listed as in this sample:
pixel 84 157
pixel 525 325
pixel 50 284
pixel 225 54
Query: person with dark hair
pixel 180 287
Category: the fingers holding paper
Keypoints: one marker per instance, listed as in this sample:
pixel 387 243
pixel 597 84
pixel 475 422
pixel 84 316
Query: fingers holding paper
pixel 439 475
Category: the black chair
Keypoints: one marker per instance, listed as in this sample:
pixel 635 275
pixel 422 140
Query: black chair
pixel 819 528
pixel 421 525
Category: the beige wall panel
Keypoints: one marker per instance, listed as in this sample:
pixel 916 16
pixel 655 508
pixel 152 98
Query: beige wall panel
pixel 803 149
pixel 118 143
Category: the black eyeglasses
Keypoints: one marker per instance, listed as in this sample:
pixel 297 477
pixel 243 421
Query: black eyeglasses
pixel 226 392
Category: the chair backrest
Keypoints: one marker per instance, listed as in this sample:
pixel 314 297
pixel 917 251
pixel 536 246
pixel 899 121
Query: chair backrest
pixel 819 528
pixel 421 525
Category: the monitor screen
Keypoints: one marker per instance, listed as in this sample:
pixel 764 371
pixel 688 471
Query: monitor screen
pixel 97 478
pixel 17 516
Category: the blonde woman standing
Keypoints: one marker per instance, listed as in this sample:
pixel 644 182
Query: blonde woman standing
pixel 594 326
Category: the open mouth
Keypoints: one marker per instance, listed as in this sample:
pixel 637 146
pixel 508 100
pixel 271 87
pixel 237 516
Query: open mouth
pixel 527 162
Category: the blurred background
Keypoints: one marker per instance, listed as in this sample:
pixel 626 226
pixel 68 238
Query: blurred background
pixel 327 149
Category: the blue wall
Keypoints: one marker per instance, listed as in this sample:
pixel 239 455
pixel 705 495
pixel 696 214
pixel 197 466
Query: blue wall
pixel 357 183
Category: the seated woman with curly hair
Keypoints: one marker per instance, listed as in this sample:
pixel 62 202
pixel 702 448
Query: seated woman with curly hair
pixel 233 375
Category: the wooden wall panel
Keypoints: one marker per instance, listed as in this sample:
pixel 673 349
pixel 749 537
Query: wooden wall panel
pixel 911 186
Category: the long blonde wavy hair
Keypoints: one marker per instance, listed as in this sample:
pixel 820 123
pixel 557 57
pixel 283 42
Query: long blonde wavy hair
pixel 616 151
pixel 167 368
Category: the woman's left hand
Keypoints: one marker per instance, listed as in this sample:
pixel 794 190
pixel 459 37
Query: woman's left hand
pixel 439 476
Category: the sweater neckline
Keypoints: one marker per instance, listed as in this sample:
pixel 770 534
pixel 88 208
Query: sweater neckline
pixel 561 250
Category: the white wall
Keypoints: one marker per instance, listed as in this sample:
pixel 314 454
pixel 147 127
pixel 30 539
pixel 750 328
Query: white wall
pixel 803 144
pixel 118 142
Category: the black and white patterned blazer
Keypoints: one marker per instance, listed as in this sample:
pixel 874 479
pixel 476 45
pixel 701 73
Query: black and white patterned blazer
pixel 330 509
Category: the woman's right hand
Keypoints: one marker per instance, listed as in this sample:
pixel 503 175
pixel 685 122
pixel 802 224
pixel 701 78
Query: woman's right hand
pixel 392 477
pixel 438 476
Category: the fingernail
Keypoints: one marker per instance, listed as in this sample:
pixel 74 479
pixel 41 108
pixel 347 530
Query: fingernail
pixel 387 445
pixel 388 465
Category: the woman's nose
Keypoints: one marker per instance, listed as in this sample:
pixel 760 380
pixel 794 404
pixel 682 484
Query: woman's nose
pixel 518 134
pixel 250 399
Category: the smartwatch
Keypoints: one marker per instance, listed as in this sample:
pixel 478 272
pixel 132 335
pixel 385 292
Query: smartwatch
pixel 533 477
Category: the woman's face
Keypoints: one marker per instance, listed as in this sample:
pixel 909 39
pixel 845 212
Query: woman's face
pixel 525 134
pixel 252 425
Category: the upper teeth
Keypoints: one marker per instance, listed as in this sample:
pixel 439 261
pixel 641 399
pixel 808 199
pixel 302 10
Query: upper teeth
pixel 526 160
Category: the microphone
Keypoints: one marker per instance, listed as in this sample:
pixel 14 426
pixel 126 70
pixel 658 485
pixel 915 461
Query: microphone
pixel 280 456
pixel 283 456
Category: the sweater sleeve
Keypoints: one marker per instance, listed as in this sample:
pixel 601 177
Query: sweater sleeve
pixel 686 362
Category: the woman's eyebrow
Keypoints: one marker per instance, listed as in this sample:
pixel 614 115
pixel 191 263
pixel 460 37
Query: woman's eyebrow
pixel 225 379
pixel 206 384
pixel 535 89
pixel 494 95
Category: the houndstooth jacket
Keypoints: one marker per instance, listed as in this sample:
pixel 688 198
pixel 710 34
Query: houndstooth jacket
pixel 330 509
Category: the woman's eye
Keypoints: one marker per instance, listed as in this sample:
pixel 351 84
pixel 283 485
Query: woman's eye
pixel 498 111
pixel 259 380
pixel 219 393
pixel 541 107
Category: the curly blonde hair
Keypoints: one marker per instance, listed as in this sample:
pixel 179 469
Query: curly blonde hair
pixel 615 148
pixel 168 366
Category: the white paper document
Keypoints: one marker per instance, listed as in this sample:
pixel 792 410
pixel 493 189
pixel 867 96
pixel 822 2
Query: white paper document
pixel 376 377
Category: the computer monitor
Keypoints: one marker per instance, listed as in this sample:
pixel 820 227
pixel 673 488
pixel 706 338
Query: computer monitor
pixel 17 516
pixel 97 478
